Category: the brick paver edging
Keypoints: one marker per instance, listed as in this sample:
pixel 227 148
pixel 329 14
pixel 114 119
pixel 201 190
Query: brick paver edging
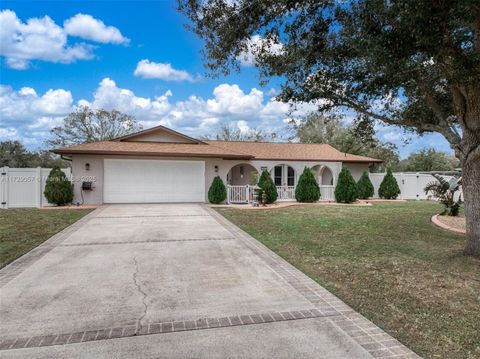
pixel 13 269
pixel 377 342
pixel 445 226
pixel 157 328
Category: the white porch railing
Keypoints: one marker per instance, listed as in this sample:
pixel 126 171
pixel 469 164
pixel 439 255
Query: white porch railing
pixel 240 194
pixel 327 193
pixel 286 193
pixel 245 194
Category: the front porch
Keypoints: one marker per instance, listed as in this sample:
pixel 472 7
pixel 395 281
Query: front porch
pixel 242 178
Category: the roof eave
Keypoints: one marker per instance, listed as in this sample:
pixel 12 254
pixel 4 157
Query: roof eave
pixel 152 154
pixel 318 160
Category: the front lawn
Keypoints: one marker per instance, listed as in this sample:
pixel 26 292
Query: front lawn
pixel 23 229
pixel 387 261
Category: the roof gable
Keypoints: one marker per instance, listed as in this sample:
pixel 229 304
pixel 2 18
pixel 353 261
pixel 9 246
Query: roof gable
pixel 158 134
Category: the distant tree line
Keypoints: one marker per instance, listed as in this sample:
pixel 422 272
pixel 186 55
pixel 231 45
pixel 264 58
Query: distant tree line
pixel 14 154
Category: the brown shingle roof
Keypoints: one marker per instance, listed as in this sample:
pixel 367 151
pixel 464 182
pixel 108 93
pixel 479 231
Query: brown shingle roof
pixel 220 149
pixel 152 149
pixel 291 151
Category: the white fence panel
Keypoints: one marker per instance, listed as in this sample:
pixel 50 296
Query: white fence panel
pixel 411 184
pixel 24 187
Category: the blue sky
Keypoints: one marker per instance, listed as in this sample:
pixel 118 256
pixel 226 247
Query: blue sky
pixel 91 53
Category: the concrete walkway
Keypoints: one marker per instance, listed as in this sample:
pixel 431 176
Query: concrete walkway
pixel 172 281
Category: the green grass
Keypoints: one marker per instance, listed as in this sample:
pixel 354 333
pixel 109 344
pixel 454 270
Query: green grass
pixel 387 261
pixel 21 230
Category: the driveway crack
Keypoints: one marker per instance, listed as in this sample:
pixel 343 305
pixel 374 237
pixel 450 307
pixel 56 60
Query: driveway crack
pixel 142 292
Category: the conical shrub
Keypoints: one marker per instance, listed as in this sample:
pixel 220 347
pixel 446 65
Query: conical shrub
pixel 365 186
pixel 389 187
pixel 346 190
pixel 266 185
pixel 58 189
pixel 307 187
pixel 217 193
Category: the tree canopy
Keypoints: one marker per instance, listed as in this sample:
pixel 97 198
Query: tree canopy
pixel 411 63
pixel 428 160
pixel 14 154
pixel 231 132
pixel 358 138
pixel 86 125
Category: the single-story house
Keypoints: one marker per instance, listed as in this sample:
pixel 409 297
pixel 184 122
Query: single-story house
pixel 162 165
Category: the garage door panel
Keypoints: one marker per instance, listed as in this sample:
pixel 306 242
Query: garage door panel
pixel 153 181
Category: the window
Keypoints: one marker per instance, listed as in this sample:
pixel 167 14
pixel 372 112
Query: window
pixel 290 177
pixel 277 176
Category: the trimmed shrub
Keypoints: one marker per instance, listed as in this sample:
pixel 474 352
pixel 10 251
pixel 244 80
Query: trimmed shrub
pixel 307 187
pixel 266 185
pixel 217 193
pixel 389 187
pixel 346 190
pixel 365 186
pixel 58 189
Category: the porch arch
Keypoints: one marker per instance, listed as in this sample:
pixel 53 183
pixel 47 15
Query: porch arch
pixel 325 175
pixel 241 174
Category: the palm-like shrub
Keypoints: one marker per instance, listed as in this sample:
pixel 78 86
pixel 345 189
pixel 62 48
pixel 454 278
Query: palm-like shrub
pixel 445 192
pixel 267 188
pixel 307 187
pixel 389 187
pixel 365 186
pixel 217 193
pixel 58 188
pixel 346 190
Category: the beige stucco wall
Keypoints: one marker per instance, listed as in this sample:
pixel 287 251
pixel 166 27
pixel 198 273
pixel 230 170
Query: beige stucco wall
pixel 160 137
pixel 357 169
pixel 95 173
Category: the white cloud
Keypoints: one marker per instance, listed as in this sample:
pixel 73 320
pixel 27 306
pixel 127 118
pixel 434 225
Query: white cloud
pixel 28 116
pixel 109 96
pixel 26 105
pixel 42 39
pixel 154 70
pixel 89 28
pixel 393 135
pixel 256 44
pixel 7 134
pixel 34 114
pixel 45 123
pixel 196 115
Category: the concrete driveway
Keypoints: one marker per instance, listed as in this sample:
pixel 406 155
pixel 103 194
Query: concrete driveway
pixel 172 281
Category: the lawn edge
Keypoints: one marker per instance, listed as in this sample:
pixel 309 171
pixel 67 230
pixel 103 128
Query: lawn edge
pixel 17 266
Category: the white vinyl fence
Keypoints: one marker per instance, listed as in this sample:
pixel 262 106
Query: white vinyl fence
pixel 411 184
pixel 23 187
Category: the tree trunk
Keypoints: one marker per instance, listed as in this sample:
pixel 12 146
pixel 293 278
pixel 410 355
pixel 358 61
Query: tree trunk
pixel 471 193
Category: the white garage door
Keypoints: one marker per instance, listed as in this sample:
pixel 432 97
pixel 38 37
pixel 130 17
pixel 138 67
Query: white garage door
pixel 153 181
